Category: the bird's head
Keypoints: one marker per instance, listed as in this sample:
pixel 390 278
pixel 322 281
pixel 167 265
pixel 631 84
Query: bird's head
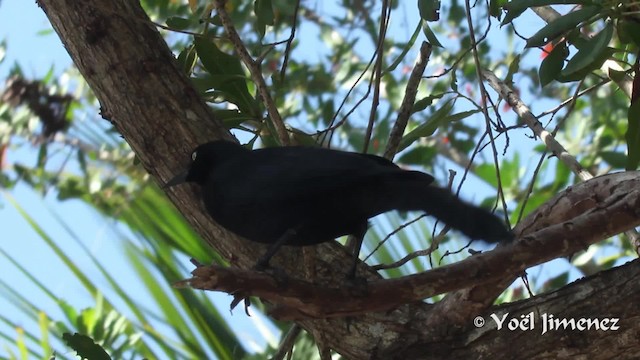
pixel 203 160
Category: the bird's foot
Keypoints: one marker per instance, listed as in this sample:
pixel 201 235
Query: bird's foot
pixel 261 265
pixel 278 274
pixel 357 286
pixel 239 297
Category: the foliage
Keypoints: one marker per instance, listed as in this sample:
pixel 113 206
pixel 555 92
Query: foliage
pixel 335 81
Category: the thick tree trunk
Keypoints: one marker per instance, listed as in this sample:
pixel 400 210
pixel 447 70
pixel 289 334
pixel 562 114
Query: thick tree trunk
pixel 154 106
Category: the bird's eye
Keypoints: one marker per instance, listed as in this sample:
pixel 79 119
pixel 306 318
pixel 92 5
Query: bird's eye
pixel 194 155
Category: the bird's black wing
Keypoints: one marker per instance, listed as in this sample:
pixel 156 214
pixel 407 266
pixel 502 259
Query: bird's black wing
pixel 296 172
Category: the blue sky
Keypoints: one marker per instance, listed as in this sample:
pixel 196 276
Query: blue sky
pixel 22 26
pixel 21 21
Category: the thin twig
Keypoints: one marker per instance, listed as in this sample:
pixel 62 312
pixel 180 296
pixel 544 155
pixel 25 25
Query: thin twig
pixel 287 50
pixel 536 171
pixel 286 346
pixel 328 132
pixel 404 260
pixel 485 97
pixel 168 28
pixel 532 122
pixel 395 231
pixel 254 69
pixel 572 99
pixel 377 72
pixel 571 102
pixel 407 102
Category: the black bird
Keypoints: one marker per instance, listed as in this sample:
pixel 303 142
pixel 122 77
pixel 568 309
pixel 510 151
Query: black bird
pixel 302 196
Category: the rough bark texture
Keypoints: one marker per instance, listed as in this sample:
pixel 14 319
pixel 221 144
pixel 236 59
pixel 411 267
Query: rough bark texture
pixel 153 105
pixel 611 295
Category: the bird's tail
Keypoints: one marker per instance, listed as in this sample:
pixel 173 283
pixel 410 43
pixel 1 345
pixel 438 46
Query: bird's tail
pixel 474 222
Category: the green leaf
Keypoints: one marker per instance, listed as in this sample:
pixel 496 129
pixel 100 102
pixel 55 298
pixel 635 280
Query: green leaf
pixel 629 32
pixel 439 118
pixel 215 20
pixel 42 156
pixel 82 161
pixel 430 126
pixel 512 14
pixel 429 10
pixel 431 37
pixel 461 115
pixel 614 158
pixel 552 64
pixel 405 50
pixel 633 136
pixel 514 67
pixel 232 118
pixel 617 75
pixel 85 347
pixel 419 155
pixel 301 138
pixel 509 171
pixel 187 59
pixel 516 7
pixel 590 55
pixel 215 87
pixel 216 61
pixel 561 178
pixel 487 172
pixel 227 75
pixel 45 32
pixel 3 50
pixel 264 14
pixel 581 74
pixel 43 322
pixel 425 102
pixel 556 282
pixel 454 81
pixel 178 23
pixel 562 25
pixel 495 7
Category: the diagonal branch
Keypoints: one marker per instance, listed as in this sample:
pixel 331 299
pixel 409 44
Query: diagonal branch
pixel 600 208
pixel 478 298
pixel 376 75
pixel 254 69
pixel 532 122
pixel 408 101
pixel 149 100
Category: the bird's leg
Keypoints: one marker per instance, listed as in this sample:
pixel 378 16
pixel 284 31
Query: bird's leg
pixel 355 252
pixel 263 262
pixel 355 244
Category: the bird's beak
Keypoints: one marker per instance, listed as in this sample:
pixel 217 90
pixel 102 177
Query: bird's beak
pixel 178 179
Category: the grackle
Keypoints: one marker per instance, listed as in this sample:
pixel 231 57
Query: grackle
pixel 302 196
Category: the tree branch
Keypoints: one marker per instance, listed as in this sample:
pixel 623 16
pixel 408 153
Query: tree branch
pixel 154 106
pixel 532 122
pixel 583 299
pixel 408 101
pixel 589 212
pixel 256 72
